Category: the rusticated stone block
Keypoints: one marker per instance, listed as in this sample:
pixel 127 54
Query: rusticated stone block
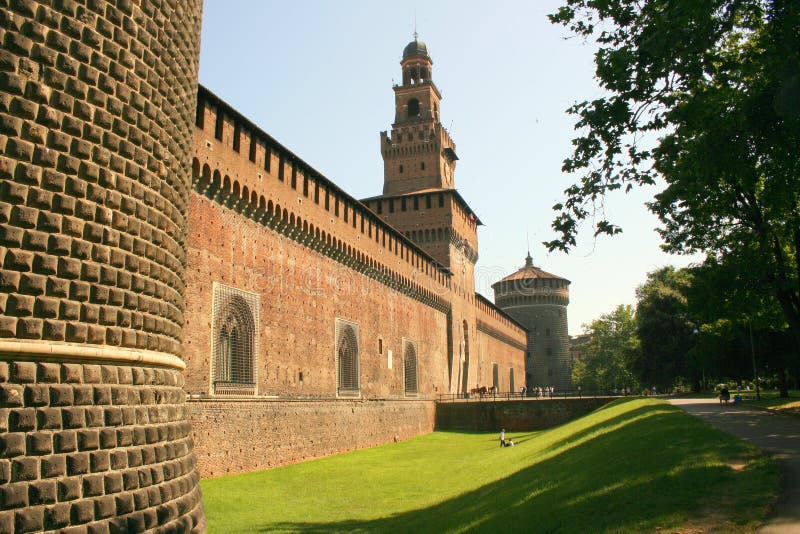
pixel 23 372
pixel 47 418
pixel 124 503
pixel 113 480
pixel 61 395
pixel 81 512
pixel 69 489
pixel 78 463
pixel 119 460
pixel 108 438
pixel 130 479
pixel 14 495
pixel 22 419
pixel 93 485
pixel 88 439
pixel 73 417
pixel 29 520
pixel 48 372
pixel 56 516
pixel 43 492
pixel 37 395
pixel 40 443
pixel 28 328
pixel 24 469
pixel 141 499
pixel 84 395
pixel 65 441
pixel 53 466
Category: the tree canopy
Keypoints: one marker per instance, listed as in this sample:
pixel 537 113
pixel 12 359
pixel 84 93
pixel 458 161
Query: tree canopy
pixel 704 96
pixel 606 365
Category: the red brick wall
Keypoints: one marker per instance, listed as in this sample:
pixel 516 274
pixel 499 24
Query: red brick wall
pixel 268 433
pixel 302 293
pixel 310 265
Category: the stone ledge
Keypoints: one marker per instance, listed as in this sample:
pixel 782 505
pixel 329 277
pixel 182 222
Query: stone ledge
pixel 66 352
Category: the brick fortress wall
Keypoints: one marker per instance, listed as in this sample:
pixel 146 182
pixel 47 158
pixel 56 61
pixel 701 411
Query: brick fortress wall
pixel 264 222
pixel 520 415
pixel 96 107
pixel 270 433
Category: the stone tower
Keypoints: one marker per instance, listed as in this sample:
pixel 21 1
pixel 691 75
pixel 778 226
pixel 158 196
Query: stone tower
pixel 538 300
pixel 420 199
pixel 97 103
pixel 419 154
pixel 419 196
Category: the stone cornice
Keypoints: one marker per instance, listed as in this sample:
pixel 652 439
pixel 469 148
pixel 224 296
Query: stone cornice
pixel 83 353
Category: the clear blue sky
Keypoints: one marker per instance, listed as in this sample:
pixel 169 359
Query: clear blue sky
pixel 317 75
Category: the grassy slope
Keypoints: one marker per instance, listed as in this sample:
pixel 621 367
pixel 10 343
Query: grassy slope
pixel 633 466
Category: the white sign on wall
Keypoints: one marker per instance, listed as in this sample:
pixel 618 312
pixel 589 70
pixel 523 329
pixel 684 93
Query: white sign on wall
pixel 389 358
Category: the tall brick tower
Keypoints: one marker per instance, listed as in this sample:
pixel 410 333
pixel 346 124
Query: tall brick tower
pixel 420 199
pixel 97 102
pixel 538 300
pixel 420 154
pixel 419 160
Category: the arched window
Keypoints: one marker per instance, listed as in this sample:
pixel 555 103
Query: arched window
pixel 234 320
pixel 410 366
pixel 347 357
pixel 413 108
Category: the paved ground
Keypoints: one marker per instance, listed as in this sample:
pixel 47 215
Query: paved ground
pixel 777 434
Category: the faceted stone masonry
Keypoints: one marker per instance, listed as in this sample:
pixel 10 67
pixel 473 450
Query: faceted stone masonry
pixel 106 448
pixel 97 100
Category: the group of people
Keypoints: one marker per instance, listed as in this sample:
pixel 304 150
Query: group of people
pixel 503 441
pixel 539 393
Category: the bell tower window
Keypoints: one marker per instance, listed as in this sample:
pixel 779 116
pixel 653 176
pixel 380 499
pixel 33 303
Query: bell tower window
pixel 413 108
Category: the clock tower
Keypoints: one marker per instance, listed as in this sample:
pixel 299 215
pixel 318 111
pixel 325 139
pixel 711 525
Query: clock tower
pixel 419 154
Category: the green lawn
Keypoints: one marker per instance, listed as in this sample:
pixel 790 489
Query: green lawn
pixel 636 465
pixel 771 400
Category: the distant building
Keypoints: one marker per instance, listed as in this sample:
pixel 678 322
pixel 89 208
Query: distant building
pixel 538 300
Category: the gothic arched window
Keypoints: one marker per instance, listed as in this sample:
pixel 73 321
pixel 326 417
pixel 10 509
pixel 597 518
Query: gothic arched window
pixel 347 357
pixel 410 366
pixel 235 342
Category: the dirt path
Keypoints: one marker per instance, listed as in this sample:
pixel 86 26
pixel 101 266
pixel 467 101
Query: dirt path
pixel 777 434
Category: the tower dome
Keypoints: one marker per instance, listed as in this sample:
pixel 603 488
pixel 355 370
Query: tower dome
pixel 416 48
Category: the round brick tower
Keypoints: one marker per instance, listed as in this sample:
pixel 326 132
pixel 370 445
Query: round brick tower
pixel 97 101
pixel 538 300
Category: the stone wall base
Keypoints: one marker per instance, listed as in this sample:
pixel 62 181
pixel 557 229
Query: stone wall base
pixel 240 435
pixel 518 415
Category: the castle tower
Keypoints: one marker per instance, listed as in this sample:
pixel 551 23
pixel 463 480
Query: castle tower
pixel 419 154
pixel 419 196
pixel 538 300
pixel 97 102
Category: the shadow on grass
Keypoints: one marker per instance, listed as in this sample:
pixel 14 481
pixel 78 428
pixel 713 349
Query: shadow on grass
pixel 647 483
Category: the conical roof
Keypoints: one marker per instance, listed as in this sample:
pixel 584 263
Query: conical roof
pixel 529 272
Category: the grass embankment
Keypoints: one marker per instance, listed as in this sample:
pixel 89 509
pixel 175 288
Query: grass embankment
pixel 636 465
pixel 771 399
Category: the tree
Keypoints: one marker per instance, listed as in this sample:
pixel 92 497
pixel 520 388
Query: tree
pixel 704 95
pixel 743 321
pixel 665 330
pixel 607 356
